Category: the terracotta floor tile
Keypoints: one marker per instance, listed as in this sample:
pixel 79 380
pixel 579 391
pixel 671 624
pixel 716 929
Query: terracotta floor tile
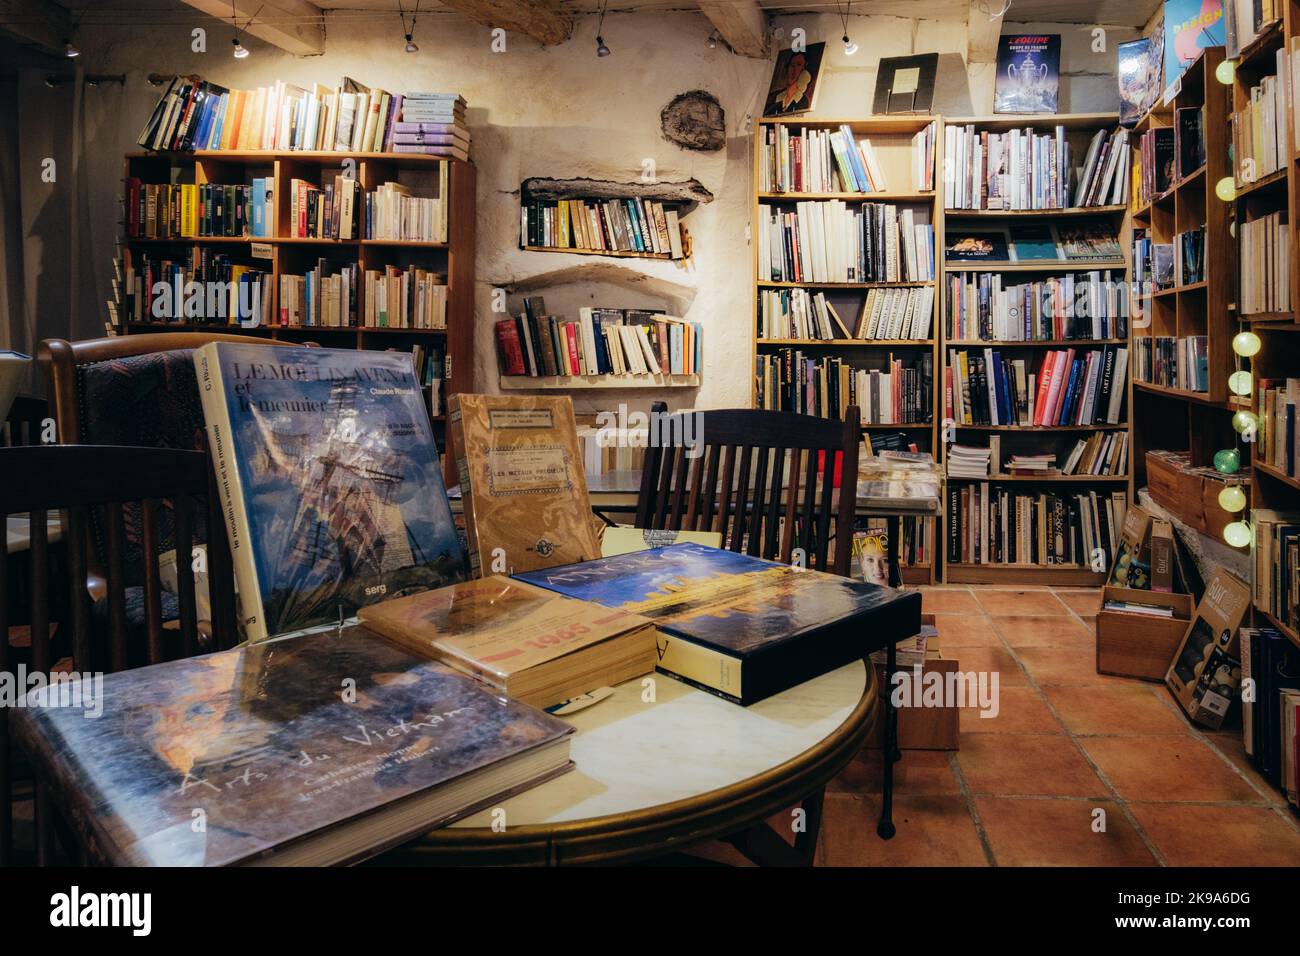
pixel 1064 630
pixel 932 830
pixel 948 601
pixel 1130 708
pixel 1026 765
pixel 965 630
pixel 989 659
pixel 1090 622
pixel 1012 601
pixel 1235 751
pixel 1174 769
pixel 1064 665
pixel 1084 602
pixel 919 772
pixel 1020 711
pixel 1219 836
pixel 1059 833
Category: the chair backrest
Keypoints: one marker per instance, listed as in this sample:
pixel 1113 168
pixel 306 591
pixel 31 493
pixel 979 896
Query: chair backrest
pixel 766 480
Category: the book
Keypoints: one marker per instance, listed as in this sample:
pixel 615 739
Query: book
pixel 1139 69
pixel 1190 26
pixel 982 244
pixel 1028 73
pixel 329 479
pixel 837 241
pixel 905 84
pixel 521 481
pixel 738 626
pixel 285 769
pixel 617 540
pixel 522 641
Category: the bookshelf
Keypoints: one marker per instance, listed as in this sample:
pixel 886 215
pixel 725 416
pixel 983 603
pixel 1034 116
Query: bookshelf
pixel 282 255
pixel 1057 439
pixel 891 139
pixel 1167 416
pixel 1272 487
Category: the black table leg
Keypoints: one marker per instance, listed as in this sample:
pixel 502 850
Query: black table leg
pixel 892 524
pixel 890 752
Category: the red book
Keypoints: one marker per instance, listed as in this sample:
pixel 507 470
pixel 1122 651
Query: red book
pixel 947 393
pixel 1044 387
pixel 571 343
pixel 1060 385
pixel 509 348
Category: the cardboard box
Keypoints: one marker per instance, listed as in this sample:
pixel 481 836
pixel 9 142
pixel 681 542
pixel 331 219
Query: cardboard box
pixel 1213 628
pixel 1162 556
pixel 1132 567
pixel 1131 644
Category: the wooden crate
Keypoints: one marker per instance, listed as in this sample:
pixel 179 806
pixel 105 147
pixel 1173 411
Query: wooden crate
pixel 1192 498
pixel 1140 645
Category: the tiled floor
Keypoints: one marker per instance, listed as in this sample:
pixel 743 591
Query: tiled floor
pixel 1076 769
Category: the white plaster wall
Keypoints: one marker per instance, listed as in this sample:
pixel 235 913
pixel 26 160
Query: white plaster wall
pixel 563 112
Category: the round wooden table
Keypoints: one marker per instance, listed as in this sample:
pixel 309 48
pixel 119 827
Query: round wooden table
pixel 654 776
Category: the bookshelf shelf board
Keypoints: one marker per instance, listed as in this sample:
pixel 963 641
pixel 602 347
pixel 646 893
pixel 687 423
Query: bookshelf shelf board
pixel 1275 178
pixel 899 123
pixel 885 195
pixel 1191 179
pixel 1038 265
pixel 289 241
pixel 1063 479
pixel 891 426
pixel 772 284
pixel 1262 47
pixel 314 157
pixel 1061 574
pixel 1290 633
pixel 389 330
pixel 1103 426
pixel 1273 321
pixel 1277 474
pixel 1031 213
pixel 527 382
pixel 405 243
pixel 1034 344
pixel 851 343
pixel 613 253
pixel 1005 121
pixel 1190 287
pixel 1202 398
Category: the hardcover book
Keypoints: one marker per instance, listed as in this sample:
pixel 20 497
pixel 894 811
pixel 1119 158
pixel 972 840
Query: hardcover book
pixel 521 479
pixel 329 479
pixel 523 641
pixel 1029 73
pixel 1190 26
pixel 737 626
pixel 282 766
pixel 1139 70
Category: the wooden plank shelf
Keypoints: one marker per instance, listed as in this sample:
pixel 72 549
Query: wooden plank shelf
pixel 1032 213
pixel 1038 265
pixel 850 343
pixel 773 284
pixel 1034 343
pixel 550 382
pixel 1101 426
pixel 1035 479
pixel 1066 575
pixel 611 253
pixel 882 196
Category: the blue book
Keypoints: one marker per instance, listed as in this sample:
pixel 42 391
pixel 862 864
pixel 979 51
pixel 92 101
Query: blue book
pixel 738 626
pixel 259 207
pixel 330 481
pixel 1279 670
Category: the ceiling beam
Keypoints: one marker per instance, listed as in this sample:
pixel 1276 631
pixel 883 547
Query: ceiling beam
pixel 295 26
pixel 982 32
pixel 536 18
pixel 741 23
pixel 37 22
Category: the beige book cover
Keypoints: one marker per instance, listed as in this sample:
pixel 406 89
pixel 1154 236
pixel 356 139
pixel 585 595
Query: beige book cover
pixel 522 483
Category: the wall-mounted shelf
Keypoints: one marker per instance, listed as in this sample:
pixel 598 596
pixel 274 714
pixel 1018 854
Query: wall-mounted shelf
pixel 526 382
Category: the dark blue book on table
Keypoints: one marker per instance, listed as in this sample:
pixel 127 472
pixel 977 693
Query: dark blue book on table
pixel 737 626
pixel 1279 670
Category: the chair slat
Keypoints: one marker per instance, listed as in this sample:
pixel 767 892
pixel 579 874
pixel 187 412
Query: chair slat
pixel 116 588
pixel 742 500
pixel 693 499
pixel 758 505
pixel 824 514
pixel 6 784
pixel 665 486
pixel 710 490
pixel 152 580
pixel 791 503
pixel 679 489
pixel 183 528
pixel 724 504
pixel 40 590
pixel 809 505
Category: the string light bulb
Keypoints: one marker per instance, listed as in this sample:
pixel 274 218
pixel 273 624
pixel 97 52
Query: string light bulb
pixel 1245 422
pixel 1240 383
pixel 1226 189
pixel 1225 71
pixel 1246 344
pixel 1237 534
pixel 1232 499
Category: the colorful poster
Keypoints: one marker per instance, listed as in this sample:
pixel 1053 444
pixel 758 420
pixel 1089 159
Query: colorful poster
pixel 1029 73
pixel 1190 26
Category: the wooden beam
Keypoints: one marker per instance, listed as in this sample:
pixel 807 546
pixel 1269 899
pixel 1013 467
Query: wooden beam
pixel 741 23
pixel 982 32
pixel 536 18
pixel 295 26
pixel 37 22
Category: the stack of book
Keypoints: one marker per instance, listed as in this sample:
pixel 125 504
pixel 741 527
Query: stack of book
pixel 1031 465
pixel 234 293
pixel 601 342
pixel 1277 443
pixel 1087 305
pixel 898 394
pixel 1277 564
pixel 893 314
pixel 612 448
pixel 410 298
pixel 1105 177
pixel 1070 388
pixel 631 225
pixel 1269 718
pixel 818 161
pixel 331 211
pixel 966 461
pixel 432 124
pixel 1170 362
pixel 116 302
pixel 1021 169
pixel 988 524
pixel 1189 256
pixel 1259 130
pixel 1101 453
pixel 798 314
pixel 1245 21
pixel 320 297
pixel 187 210
pixel 1156 164
pixel 833 241
pixel 394 213
pixel 1265 264
pixel 430 369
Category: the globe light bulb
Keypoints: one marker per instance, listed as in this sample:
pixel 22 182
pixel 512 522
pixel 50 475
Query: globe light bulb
pixel 1246 344
pixel 1232 499
pixel 1245 422
pixel 1225 71
pixel 1227 461
pixel 1225 189
pixel 1237 534
pixel 1240 383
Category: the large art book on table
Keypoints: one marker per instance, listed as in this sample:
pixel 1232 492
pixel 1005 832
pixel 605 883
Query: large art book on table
pixel 738 626
pixel 534 645
pixel 522 482
pixel 329 480
pixel 286 769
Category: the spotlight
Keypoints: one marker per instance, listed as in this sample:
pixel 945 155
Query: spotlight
pixel 850 47
pixel 601 49
pixel 240 50
pixel 69 50
pixel 410 45
pixel 713 40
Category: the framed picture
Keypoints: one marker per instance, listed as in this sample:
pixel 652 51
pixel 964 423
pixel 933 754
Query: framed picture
pixel 905 84
pixel 1029 73
pixel 977 244
pixel 794 81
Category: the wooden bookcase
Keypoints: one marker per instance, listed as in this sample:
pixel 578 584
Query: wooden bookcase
pixel 891 140
pixel 1174 419
pixel 1019 439
pixel 1271 487
pixel 295 256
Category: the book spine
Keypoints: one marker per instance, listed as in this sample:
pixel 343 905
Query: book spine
pixel 699 665
pixel 212 395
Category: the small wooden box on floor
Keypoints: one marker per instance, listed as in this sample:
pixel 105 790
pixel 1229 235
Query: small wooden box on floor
pixel 925 728
pixel 1140 645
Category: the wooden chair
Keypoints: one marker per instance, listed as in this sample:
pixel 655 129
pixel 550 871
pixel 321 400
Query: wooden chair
pixel 767 481
pixel 77 480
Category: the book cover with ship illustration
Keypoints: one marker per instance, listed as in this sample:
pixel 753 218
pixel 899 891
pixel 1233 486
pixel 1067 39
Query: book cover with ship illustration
pixel 739 626
pixel 330 481
pixel 283 761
